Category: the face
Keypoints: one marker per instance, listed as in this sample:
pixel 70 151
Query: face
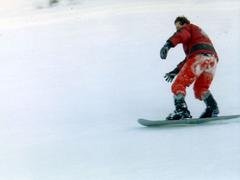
pixel 178 25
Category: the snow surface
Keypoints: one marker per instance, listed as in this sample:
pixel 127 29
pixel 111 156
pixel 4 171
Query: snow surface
pixel 75 79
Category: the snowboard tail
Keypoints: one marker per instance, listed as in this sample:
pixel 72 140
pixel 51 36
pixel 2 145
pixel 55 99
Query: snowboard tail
pixel 146 122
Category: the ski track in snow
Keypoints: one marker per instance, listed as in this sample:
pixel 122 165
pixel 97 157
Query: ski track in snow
pixel 75 79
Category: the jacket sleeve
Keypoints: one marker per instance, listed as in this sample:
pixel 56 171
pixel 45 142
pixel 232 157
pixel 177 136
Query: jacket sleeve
pixel 179 67
pixel 181 36
pixel 181 64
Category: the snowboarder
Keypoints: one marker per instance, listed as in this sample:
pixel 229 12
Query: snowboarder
pixel 198 67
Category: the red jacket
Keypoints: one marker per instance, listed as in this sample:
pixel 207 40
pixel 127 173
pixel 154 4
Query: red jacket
pixel 194 40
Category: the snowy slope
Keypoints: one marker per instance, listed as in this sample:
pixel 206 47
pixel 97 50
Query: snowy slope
pixel 74 80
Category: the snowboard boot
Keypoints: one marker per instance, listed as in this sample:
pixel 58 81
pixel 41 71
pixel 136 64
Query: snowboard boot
pixel 212 108
pixel 181 111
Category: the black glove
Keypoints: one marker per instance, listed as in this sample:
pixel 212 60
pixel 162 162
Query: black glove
pixel 170 75
pixel 165 49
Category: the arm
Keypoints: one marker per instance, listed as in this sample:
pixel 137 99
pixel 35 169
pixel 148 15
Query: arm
pixel 181 36
pixel 171 75
pixel 164 50
pixel 180 65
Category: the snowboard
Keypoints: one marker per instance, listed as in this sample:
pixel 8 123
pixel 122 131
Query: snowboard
pixel 152 123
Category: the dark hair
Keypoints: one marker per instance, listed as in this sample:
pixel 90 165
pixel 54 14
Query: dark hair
pixel 182 20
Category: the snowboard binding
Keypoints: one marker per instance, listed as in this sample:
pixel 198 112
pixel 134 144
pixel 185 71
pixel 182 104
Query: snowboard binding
pixel 181 111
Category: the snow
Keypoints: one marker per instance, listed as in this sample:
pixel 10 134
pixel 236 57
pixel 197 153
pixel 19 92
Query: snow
pixel 75 79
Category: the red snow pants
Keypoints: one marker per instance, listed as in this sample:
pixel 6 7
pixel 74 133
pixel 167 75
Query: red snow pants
pixel 199 70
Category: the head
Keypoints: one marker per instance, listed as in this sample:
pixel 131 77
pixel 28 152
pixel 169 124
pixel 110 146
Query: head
pixel 181 21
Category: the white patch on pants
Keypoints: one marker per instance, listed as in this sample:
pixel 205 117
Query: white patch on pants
pixel 204 63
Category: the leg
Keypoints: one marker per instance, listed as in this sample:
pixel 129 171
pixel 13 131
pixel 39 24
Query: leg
pixel 184 79
pixel 202 84
pixel 211 106
pixel 206 67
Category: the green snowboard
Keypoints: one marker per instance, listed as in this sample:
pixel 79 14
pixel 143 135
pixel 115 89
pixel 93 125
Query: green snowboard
pixel 146 122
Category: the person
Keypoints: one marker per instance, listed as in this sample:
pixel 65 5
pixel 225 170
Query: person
pixel 198 67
